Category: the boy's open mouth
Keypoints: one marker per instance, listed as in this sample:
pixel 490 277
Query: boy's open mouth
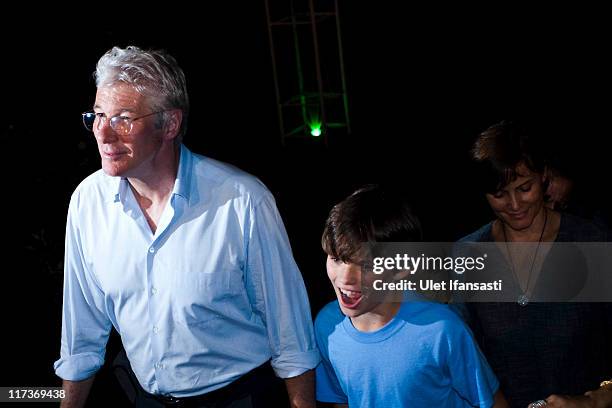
pixel 350 298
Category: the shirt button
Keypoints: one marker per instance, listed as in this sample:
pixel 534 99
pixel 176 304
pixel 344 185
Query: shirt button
pixel 154 291
pixel 152 249
pixel 155 329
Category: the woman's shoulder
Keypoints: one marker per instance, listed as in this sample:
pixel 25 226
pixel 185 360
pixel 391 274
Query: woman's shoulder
pixel 482 234
pixel 578 229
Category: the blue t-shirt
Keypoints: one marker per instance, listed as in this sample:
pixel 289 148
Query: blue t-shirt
pixel 424 357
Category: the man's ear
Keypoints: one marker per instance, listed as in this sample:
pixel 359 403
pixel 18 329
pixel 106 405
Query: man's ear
pixel 172 123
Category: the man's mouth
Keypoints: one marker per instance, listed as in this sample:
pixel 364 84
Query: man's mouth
pixel 113 155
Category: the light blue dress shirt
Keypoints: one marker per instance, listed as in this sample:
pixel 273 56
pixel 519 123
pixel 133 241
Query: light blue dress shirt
pixel 212 294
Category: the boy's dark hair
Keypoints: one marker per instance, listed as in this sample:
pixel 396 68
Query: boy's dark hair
pixel 499 150
pixel 371 214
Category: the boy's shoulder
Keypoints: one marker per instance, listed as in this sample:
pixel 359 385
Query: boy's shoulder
pixel 440 318
pixel 422 317
pixel 327 325
pixel 329 316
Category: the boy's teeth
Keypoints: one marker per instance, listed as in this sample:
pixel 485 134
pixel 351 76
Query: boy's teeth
pixel 350 293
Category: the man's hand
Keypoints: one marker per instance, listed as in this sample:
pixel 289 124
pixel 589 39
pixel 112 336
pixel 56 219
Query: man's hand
pixel 567 401
pixel 76 393
pixel 600 398
pixel 301 390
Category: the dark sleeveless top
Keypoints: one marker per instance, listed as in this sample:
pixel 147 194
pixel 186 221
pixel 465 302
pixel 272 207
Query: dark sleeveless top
pixel 545 348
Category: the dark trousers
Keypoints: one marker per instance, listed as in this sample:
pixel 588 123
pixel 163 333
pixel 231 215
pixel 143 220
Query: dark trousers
pixel 257 389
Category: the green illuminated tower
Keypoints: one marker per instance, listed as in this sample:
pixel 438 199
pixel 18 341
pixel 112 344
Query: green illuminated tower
pixel 308 68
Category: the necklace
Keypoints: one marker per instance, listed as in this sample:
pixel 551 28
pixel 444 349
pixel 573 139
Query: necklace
pixel 523 298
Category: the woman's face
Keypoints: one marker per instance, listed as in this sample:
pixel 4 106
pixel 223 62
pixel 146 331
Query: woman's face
pixel 518 203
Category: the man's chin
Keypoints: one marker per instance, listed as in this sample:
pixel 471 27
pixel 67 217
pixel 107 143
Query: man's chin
pixel 112 171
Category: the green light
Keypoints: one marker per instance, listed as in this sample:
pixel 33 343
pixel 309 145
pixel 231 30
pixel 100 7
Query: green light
pixel 314 124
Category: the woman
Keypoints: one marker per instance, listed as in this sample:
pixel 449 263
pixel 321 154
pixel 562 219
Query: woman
pixel 536 349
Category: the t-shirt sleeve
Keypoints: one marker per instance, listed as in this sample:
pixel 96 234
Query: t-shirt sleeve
pixel 471 376
pixel 328 388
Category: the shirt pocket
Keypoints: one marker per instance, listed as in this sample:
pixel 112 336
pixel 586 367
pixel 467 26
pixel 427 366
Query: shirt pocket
pixel 200 297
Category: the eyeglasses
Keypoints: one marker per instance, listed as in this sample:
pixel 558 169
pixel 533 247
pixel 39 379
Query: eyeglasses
pixel 120 124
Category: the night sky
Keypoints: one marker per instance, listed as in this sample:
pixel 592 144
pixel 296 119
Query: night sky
pixel 421 85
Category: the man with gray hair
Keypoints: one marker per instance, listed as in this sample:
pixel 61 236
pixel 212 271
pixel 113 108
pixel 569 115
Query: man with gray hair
pixel 186 257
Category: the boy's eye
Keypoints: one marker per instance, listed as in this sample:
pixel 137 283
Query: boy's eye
pixel 525 189
pixel 498 194
pixel 336 260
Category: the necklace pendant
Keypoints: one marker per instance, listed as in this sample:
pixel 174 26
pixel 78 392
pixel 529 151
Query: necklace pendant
pixel 523 300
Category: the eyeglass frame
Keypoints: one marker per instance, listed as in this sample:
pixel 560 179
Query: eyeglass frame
pixel 125 119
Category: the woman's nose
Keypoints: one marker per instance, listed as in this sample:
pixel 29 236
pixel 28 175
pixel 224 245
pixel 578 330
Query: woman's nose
pixel 514 202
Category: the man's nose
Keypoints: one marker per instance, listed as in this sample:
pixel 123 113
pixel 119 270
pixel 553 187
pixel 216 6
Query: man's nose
pixel 105 132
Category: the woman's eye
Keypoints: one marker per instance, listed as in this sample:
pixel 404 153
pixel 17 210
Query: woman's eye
pixel 525 189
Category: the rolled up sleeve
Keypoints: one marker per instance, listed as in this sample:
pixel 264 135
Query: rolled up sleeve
pixel 278 292
pixel 85 325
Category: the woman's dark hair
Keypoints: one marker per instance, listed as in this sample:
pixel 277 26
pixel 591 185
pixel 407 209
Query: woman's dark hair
pixel 499 150
pixel 370 215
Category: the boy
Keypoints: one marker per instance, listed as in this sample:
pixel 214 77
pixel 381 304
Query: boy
pixel 379 351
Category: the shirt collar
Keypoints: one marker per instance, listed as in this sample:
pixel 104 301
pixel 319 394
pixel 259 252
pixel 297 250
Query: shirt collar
pixel 116 191
pixel 182 184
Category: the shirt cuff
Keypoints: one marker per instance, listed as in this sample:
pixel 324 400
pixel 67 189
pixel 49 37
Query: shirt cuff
pixel 293 364
pixel 78 367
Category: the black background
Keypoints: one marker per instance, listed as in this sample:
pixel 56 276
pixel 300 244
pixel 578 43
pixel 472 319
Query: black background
pixel 421 85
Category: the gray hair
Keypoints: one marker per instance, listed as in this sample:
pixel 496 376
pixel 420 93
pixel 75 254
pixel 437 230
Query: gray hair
pixel 153 73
